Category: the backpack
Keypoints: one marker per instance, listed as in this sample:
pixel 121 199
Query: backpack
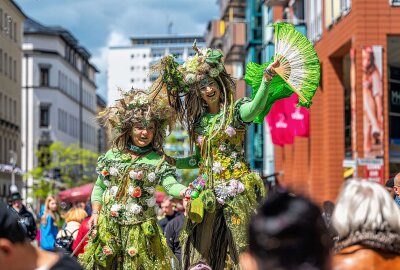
pixel 65 242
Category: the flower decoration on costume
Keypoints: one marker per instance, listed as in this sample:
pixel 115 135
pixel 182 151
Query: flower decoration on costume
pixel 222 147
pixel 151 177
pixel 217 167
pixel 230 131
pixel 107 250
pixel 228 189
pixel 132 251
pixel 151 202
pixel 106 183
pixel 150 190
pixel 135 209
pixel 137 192
pixel 113 171
pixel 113 190
pixel 136 175
pixel 105 172
pixel 200 140
pixel 115 208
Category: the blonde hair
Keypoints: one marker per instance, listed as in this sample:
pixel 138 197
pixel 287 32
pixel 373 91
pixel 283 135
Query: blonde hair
pixel 365 206
pixel 47 210
pixel 75 214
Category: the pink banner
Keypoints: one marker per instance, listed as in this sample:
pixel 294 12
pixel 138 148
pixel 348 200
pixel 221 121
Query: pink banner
pixel 298 120
pixel 277 120
pixel 286 121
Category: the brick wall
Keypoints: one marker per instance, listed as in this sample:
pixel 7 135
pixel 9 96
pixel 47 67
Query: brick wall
pixel 314 165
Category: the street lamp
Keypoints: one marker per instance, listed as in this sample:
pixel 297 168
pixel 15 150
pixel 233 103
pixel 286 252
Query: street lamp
pixel 13 161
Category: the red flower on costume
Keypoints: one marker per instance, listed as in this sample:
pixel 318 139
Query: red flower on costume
pixel 137 192
pixel 105 173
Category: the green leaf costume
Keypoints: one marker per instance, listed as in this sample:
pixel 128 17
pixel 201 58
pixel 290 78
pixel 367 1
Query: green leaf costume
pixel 128 236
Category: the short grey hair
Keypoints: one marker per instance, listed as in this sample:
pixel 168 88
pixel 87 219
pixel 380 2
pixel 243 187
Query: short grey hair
pixel 365 206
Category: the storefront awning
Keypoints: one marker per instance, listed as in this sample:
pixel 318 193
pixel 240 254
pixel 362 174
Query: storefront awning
pixel 77 194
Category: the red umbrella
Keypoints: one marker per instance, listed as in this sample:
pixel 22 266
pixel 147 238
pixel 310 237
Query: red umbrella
pixel 77 194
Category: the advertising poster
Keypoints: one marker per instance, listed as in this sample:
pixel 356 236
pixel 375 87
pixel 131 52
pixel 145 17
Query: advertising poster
pixel 372 90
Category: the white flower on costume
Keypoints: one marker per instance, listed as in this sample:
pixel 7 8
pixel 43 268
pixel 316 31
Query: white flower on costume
pixel 135 209
pixel 114 171
pixel 217 167
pixel 130 189
pixel 150 190
pixel 151 177
pixel 230 131
pixel 233 155
pixel 220 201
pixel 237 165
pixel 133 175
pixel 115 207
pixel 107 183
pixel 113 190
pixel 222 147
pixel 151 202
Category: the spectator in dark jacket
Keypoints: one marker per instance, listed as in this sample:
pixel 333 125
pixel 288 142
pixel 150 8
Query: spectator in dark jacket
pixel 169 212
pixel 173 232
pixel 24 215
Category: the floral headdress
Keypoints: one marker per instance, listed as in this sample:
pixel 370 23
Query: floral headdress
pixel 136 106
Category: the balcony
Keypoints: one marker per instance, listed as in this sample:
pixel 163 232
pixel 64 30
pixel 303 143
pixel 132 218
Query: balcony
pixel 276 2
pixel 233 9
pixel 234 42
pixel 215 31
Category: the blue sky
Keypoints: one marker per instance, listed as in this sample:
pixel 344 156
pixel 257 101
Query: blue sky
pixel 98 24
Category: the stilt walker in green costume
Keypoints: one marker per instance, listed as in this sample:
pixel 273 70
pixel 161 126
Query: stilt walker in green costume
pixel 226 192
pixel 127 235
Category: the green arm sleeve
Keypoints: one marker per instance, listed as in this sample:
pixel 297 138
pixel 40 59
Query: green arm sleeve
pixel 172 186
pixel 98 190
pixel 250 110
pixel 188 162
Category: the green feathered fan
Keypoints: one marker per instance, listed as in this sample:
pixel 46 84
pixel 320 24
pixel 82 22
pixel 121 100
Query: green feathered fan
pixel 299 69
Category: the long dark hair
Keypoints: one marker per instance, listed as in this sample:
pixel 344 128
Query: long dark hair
pixel 194 106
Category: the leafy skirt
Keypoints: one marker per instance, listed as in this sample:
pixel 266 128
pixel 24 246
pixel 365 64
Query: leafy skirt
pixel 222 234
pixel 121 247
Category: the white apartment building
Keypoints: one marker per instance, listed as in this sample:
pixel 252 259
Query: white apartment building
pixel 130 66
pixel 58 92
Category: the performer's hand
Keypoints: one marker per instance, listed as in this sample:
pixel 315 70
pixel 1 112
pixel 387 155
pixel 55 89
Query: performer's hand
pixel 269 72
pixel 184 193
pixel 94 219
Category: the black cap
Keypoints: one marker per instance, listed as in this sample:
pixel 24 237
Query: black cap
pixel 14 196
pixel 10 227
pixel 390 183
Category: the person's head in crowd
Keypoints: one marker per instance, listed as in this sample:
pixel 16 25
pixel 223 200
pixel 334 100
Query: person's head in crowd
pixel 50 208
pixel 396 186
pixel 75 214
pixel 287 233
pixel 16 251
pixel 390 187
pixel 15 201
pixel 167 206
pixel 200 266
pixel 365 206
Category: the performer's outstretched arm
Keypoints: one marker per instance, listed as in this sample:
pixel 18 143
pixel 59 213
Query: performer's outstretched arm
pixel 97 201
pixel 190 162
pixel 250 110
pixel 173 187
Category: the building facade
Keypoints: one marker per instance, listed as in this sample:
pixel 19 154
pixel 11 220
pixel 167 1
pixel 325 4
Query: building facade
pixel 129 67
pixel 103 133
pixel 58 92
pixel 11 25
pixel 355 116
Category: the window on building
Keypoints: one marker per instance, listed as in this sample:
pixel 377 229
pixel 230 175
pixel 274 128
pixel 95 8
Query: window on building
pixel 5 107
pixel 1 104
pixel 1 20
pixel 10 116
pixel 10 67
pixel 44 115
pixel 132 80
pixel 15 71
pixel 44 76
pixel 1 150
pixel 15 32
pixel 5 64
pixel 132 56
pixel 132 68
pixel 1 60
pixel 15 110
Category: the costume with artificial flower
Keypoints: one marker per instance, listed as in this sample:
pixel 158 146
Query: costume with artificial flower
pixel 127 235
pixel 226 191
